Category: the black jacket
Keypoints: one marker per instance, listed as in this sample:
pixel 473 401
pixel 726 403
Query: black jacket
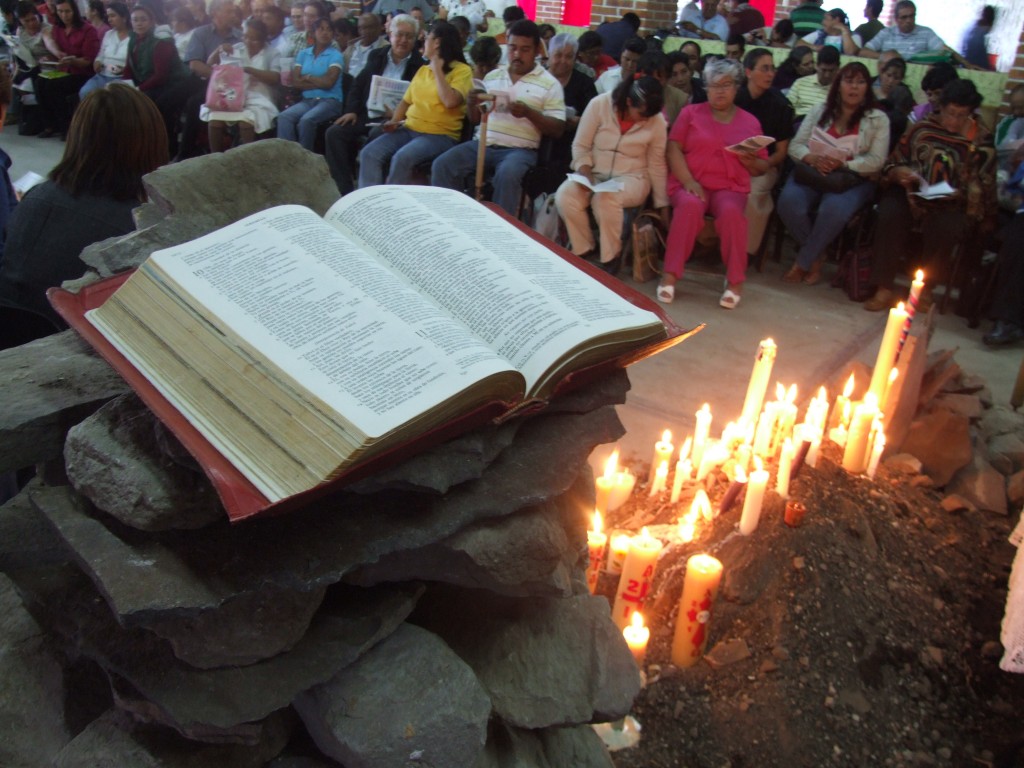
pixel 355 101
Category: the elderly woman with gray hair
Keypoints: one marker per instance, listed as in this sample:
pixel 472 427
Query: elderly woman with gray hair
pixel 578 90
pixel 707 176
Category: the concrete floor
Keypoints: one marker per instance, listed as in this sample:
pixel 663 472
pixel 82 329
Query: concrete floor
pixel 818 332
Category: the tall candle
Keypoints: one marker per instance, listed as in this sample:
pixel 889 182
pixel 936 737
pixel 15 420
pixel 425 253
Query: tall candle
pixel 700 587
pixel 785 466
pixel 700 434
pixel 637 636
pixel 876 453
pixel 660 478
pixel 733 491
pixel 684 451
pixel 840 411
pixel 663 450
pixel 596 541
pixel 785 418
pixel 855 455
pixel 765 428
pixel 884 406
pixel 606 482
pixel 637 575
pixel 683 470
pixel 756 486
pixel 912 303
pixel 887 351
pixel 759 379
pixel 618 551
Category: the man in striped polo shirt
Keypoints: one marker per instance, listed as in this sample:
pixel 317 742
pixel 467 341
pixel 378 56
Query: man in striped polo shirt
pixel 530 104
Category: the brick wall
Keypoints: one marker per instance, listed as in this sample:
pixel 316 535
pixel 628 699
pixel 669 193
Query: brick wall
pixel 655 14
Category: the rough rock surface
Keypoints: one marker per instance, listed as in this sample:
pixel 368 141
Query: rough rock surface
pixel 543 661
pixel 1015 488
pixel 410 699
pixel 114 459
pixel 558 747
pixel 942 441
pixel 965 405
pixel 32 728
pixel 982 485
pixel 49 385
pixel 1011 446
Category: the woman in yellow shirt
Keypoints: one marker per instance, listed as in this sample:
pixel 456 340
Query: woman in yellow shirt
pixel 428 120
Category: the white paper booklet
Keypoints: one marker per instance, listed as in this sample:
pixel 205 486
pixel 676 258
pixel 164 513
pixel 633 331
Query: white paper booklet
pixel 611 185
pixel 933 191
pixel 385 93
pixel 753 144
pixel 829 146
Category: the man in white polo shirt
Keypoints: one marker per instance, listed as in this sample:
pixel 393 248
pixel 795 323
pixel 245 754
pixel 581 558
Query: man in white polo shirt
pixel 907 37
pixel 536 108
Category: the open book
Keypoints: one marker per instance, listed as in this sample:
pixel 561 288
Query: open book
pixel 385 93
pixel 751 145
pixel 841 149
pixel 300 348
pixel 609 185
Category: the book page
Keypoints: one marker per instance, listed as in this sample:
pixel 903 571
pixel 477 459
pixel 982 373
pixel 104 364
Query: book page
pixel 525 302
pixel 753 144
pixel 341 324
pixel 385 93
pixel 610 185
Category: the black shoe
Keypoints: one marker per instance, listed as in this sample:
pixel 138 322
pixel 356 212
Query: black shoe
pixel 1004 333
pixel 613 266
pixel 591 255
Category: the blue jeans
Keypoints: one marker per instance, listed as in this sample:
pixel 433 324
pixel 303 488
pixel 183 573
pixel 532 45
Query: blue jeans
pixel 95 83
pixel 300 121
pixel 815 230
pixel 404 149
pixel 509 165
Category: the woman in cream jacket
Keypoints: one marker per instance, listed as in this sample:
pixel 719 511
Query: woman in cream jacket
pixel 620 139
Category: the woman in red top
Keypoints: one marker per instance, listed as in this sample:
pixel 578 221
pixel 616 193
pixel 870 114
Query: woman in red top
pixel 75 44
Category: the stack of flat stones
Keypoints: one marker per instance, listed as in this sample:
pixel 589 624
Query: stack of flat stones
pixel 434 614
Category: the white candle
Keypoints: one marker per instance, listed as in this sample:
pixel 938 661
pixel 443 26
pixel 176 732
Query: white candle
pixel 785 418
pixel 759 378
pixel 785 465
pixel 617 554
pixel 660 478
pixel 606 482
pixel 663 450
pixel 683 470
pixel 887 351
pixel 715 454
pixel 700 434
pixel 876 453
pixel 622 487
pixel 765 427
pixel 756 485
pixel 841 412
pixel 885 406
pixel 596 541
pixel 855 455
pixel 743 453
pixel 637 575
pixel 637 636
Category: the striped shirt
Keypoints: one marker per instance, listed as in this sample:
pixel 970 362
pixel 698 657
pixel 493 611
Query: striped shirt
pixel 538 90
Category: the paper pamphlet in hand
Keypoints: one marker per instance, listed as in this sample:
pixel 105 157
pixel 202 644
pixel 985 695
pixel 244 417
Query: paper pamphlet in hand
pixel 752 144
pixel 934 191
pixel 26 182
pixel 841 149
pixel 385 93
pixel 611 185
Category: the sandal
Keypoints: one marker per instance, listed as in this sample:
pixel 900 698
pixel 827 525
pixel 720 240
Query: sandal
pixel 666 293
pixel 814 275
pixel 730 299
pixel 795 275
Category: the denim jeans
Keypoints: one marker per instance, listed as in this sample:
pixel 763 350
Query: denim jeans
pixel 509 165
pixel 403 149
pixel 816 218
pixel 300 121
pixel 95 83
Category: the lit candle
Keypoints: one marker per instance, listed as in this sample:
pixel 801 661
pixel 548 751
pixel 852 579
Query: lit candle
pixel 876 453
pixel 733 491
pixel 887 351
pixel 785 466
pixel 838 435
pixel 785 418
pixel 663 450
pixel 802 448
pixel 683 471
pixel 684 451
pixel 606 482
pixel 756 486
pixel 617 554
pixel 714 455
pixel 840 413
pixel 765 427
pixel 912 303
pixel 701 506
pixel 885 405
pixel 660 478
pixel 637 575
pixel 743 453
pixel 596 541
pixel 700 586
pixel 700 434
pixel 759 378
pixel 622 487
pixel 637 635
pixel 687 528
pixel 855 456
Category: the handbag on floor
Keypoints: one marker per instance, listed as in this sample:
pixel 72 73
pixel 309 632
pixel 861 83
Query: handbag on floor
pixel 854 273
pixel 648 246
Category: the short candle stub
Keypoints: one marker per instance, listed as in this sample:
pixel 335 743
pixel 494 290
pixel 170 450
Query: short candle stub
pixel 794 513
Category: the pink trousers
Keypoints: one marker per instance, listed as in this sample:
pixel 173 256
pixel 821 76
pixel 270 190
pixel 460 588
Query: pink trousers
pixel 688 213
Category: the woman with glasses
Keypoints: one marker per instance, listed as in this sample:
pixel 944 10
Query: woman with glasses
pixel 708 175
pixel 109 64
pixel 75 44
pixel 620 139
pixel 829 186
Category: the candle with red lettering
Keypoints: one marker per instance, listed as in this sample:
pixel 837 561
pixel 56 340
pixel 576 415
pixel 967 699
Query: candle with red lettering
pixel 637 575
pixel 700 587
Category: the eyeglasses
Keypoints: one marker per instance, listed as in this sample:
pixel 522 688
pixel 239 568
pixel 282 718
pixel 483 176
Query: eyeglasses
pixel 722 86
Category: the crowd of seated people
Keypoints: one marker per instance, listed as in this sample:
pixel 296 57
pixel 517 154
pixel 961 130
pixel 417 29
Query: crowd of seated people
pixel 554 103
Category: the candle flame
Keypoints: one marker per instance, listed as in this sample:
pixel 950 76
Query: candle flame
pixel 822 394
pixel 611 465
pixel 621 542
pixel 644 533
pixel 893 374
pixel 758 466
pixel 666 436
pixel 637 620
pixel 701 505
pixel 705 409
pixel 741 475
pixel 791 394
pixel 663 469
pixel 900 307
pixel 871 401
pixel 780 391
pixel 686 530
pixel 848 389
pixel 919 276
pixel 597 521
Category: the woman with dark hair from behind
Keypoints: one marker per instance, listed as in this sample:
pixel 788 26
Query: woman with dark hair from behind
pixel 75 44
pixel 115 138
pixel 814 209
pixel 428 120
pixel 799 63
pixel 620 137
pixel 485 55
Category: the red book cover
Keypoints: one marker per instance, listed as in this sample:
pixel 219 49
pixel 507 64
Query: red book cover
pixel 240 497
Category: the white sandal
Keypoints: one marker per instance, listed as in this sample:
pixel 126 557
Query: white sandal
pixel 729 300
pixel 666 293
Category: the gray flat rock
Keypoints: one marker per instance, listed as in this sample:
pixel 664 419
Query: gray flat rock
pixel 27 541
pixel 942 441
pixel 982 485
pixel 543 661
pixel 410 699
pixel 559 747
pixel 46 387
pixel 144 579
